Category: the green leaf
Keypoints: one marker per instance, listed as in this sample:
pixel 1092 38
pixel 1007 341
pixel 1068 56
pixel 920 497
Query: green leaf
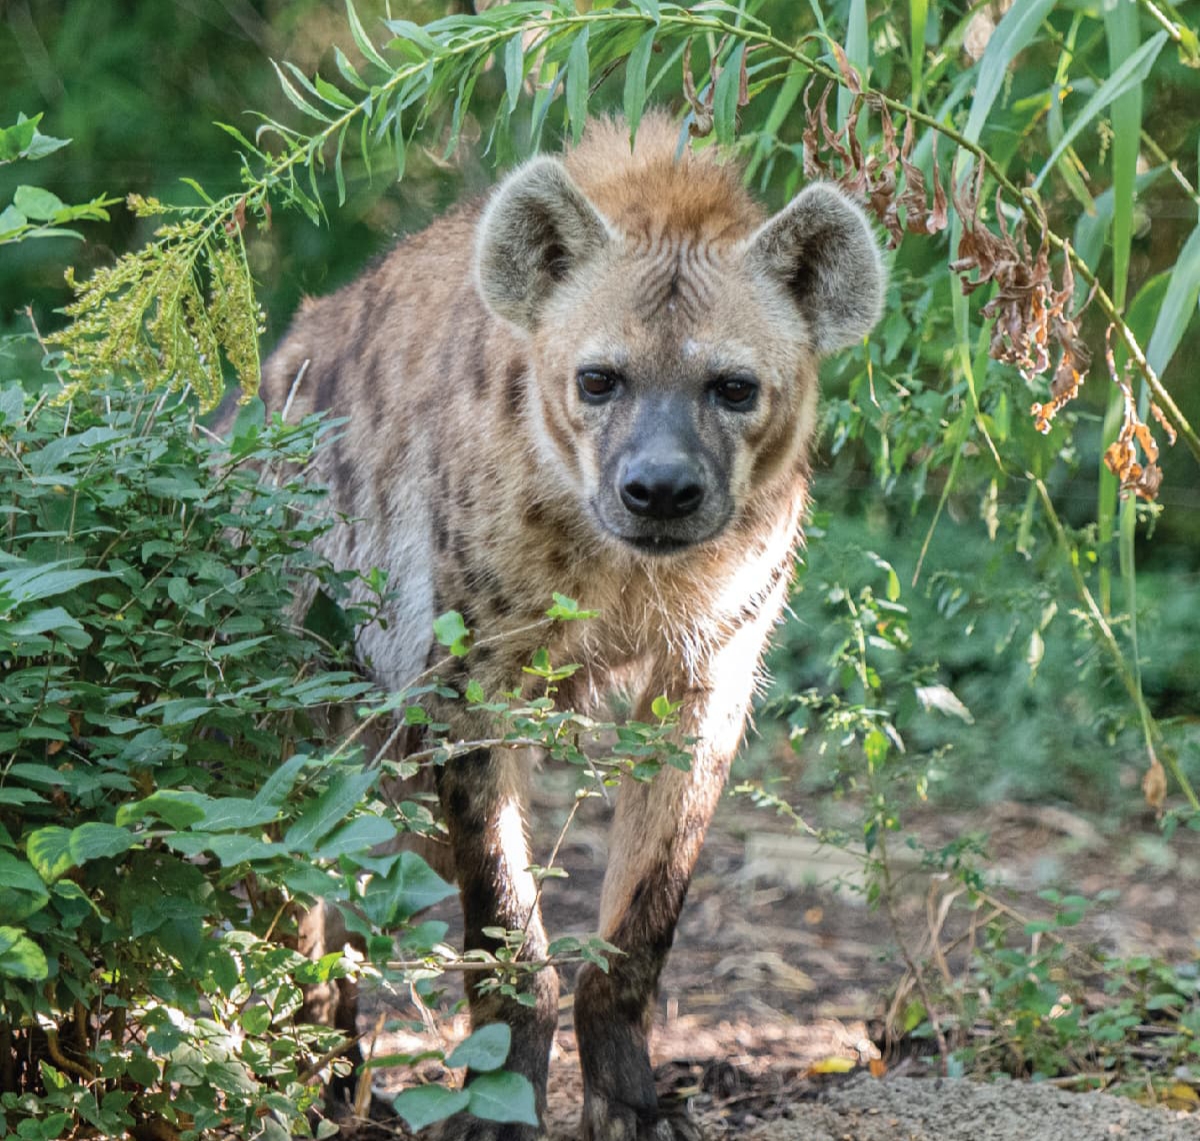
pixel 1012 34
pixel 918 17
pixel 475 693
pixel 53 851
pixel 231 848
pixel 280 782
pixel 53 620
pixel 858 54
pixel 24 140
pixel 49 851
pixel 413 33
pixel 22 891
pixel 503 1096
pixel 21 957
pixel 12 221
pixel 875 746
pixel 36 203
pixel 411 886
pixel 725 95
pixel 14 139
pixel 330 809
pixel 177 809
pixel 1125 78
pixel 485 1050
pixel 348 70
pixel 29 583
pixel 424 1105
pixel 662 707
pixel 567 609
pixel 577 84
pixel 363 40
pixel 514 75
pixel 1179 305
pixel 332 95
pixel 635 81
pixel 648 8
pixel 296 99
pixel 451 631
pixel 359 836
pixel 96 841
pixel 1121 26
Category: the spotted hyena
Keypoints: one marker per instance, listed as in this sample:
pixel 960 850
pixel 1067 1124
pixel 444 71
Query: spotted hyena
pixel 601 381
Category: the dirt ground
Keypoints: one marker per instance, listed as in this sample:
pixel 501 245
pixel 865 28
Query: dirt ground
pixel 772 1009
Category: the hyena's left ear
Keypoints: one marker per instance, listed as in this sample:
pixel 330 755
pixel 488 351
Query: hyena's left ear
pixel 537 228
pixel 821 248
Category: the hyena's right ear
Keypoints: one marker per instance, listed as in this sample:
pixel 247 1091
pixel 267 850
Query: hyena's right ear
pixel 537 228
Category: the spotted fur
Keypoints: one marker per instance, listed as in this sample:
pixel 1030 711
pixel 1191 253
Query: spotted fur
pixel 484 474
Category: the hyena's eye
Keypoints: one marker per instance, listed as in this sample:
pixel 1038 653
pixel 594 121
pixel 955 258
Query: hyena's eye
pixel 596 385
pixel 737 393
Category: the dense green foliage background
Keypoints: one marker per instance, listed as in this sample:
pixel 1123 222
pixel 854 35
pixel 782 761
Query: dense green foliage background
pixel 137 87
pixel 976 616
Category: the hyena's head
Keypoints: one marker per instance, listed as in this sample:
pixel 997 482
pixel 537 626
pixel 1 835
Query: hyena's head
pixel 674 342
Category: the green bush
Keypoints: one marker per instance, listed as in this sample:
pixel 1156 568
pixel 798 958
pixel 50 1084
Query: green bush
pixel 164 784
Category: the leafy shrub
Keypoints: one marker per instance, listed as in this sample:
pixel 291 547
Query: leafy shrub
pixel 164 789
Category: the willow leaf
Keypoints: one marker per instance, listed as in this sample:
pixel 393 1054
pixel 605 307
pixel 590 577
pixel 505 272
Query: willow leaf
pixel 725 95
pixel 296 98
pixel 370 52
pixel 635 81
pixel 577 83
pixel 514 71
pixel 349 71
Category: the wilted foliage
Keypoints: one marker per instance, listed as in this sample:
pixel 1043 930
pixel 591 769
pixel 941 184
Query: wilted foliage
pixel 1031 316
pixel 873 177
pixel 1144 478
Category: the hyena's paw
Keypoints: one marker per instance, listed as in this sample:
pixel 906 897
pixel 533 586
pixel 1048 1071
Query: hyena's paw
pixel 611 1120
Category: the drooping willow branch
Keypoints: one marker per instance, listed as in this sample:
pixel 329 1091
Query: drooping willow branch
pixel 533 31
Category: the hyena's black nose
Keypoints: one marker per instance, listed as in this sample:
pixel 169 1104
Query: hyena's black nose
pixel 662 489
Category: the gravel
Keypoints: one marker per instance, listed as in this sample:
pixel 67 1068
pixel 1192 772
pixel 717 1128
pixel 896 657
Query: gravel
pixel 908 1109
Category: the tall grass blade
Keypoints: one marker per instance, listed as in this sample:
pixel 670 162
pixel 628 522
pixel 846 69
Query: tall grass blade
pixel 1011 36
pixel 1124 37
pixel 918 19
pixel 1179 305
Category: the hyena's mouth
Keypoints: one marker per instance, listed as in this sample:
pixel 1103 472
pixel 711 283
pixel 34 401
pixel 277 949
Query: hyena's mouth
pixel 658 544
pixel 659 539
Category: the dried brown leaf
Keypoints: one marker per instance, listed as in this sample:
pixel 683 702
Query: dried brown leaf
pixel 1154 785
pixel 849 75
pixel 1141 476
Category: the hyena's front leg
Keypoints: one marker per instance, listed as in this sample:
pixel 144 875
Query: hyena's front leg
pixel 657 835
pixel 481 795
pixel 650 864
